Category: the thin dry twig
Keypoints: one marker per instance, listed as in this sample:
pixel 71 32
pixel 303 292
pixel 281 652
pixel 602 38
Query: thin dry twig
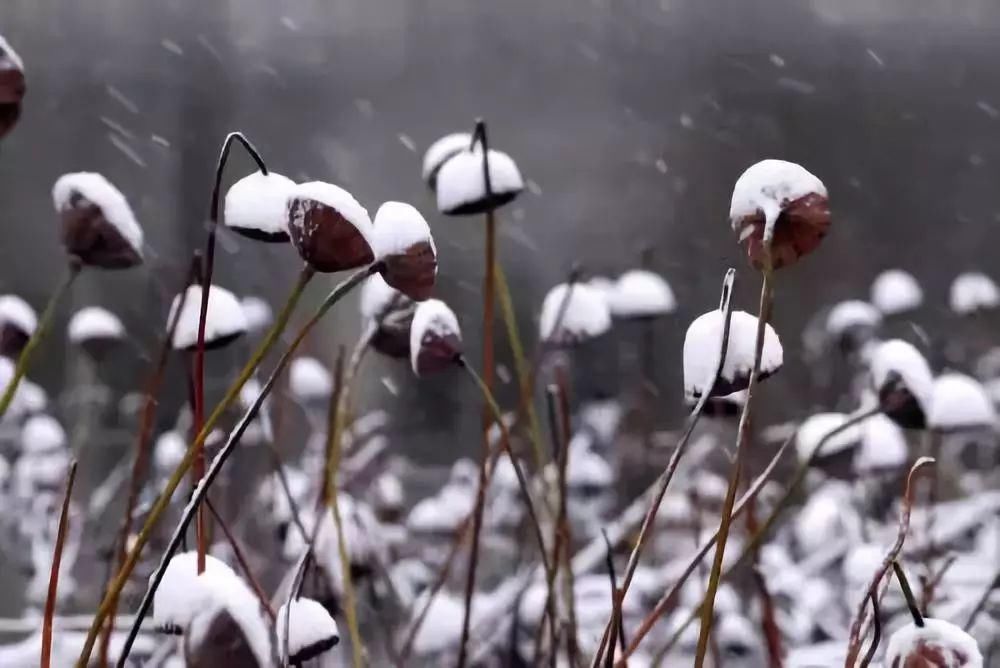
pixel 50 599
pixel 242 561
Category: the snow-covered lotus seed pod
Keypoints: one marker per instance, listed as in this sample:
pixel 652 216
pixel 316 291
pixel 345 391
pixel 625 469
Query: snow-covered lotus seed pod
pixel 17 324
pixel 640 293
pixel 729 405
pixel 168 451
pixel 183 593
pixel 392 313
pixel 98 225
pixel 403 243
pixel 896 291
pixel 257 313
pixel 256 206
pixel 230 630
pixel 973 292
pixel 573 313
pixel 224 320
pixel 311 630
pixel 850 323
pixel 42 434
pixel 816 427
pixel 329 228
pixel 96 330
pixel 960 403
pixel 461 184
pixel 782 203
pixel 883 447
pixel 309 380
pixel 440 151
pixel 936 644
pixel 435 338
pixel 904 383
pixel 701 354
pixel 12 87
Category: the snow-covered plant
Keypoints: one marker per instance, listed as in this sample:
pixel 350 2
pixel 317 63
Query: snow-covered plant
pixel 573 313
pixel 256 206
pixel 12 87
pixel 98 226
pixel 224 321
pixel 973 292
pixel 895 291
pixel 815 428
pixel 960 403
pixel 435 338
pixel 309 380
pixel 17 323
pixel 96 330
pixel 329 228
pixel 311 630
pixel 184 593
pixel 883 447
pixel 391 313
pixel 467 185
pixel 229 629
pixel 403 243
pixel 640 293
pixel 780 204
pixel 850 323
pixel 257 313
pixel 904 383
pixel 701 352
pixel 937 643
pixel 440 151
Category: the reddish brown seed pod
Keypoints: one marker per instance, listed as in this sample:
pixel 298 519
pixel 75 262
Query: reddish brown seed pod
pixel 329 228
pixel 404 245
pixel 435 338
pixel 98 226
pixel 12 87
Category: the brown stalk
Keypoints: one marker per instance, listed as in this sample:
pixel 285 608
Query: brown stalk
pixel 50 599
pixel 566 544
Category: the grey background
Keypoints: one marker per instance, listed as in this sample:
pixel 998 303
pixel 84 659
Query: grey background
pixel 631 119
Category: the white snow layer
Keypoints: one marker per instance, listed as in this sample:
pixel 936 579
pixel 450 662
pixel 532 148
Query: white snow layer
pixel 432 316
pixel 460 179
pixel 973 291
pixel 309 624
pixel 641 293
pixel 109 199
pixel 11 53
pixel 768 186
pixel 259 202
pixel 850 314
pixel 443 149
pixel 398 226
pixel 42 434
pixel 18 313
pixel 94 322
pixel 883 446
pixel 336 198
pixel 227 591
pixel 257 313
pixel 896 291
pixel 224 317
pixel 586 468
pixel 960 650
pixel 960 402
pixel 169 451
pixel 701 350
pixel 816 427
pixel 309 379
pixel 377 297
pixel 573 313
pixel 902 358
pixel 183 593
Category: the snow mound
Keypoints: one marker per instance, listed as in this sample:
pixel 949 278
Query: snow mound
pixel 701 353
pixel 767 187
pixel 42 434
pixel 441 150
pixel 224 320
pixel 573 313
pixel 6 48
pixel 308 379
pixel 257 312
pixel 108 198
pixel 17 313
pixel 896 291
pixel 815 428
pixel 94 322
pixel 311 629
pixel 936 638
pixel 640 294
pixel 397 227
pixel 883 446
pixel 973 291
pixel 960 402
pixel 256 206
pixel 432 321
pixel 850 315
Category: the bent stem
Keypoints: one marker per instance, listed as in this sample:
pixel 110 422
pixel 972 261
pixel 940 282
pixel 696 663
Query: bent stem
pixel 160 506
pixel 50 599
pixel 334 428
pixel 242 561
pixel 708 608
pixel 44 325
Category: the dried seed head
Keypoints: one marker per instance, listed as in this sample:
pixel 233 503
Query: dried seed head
pixel 224 320
pixel 391 313
pixel 573 313
pixel 904 383
pixel 640 293
pixel 936 644
pixel 701 354
pixel 440 151
pixel 12 87
pixel 96 330
pixel 330 229
pixel 973 292
pixel 462 188
pixel 17 324
pixel 895 291
pixel 403 243
pixel 256 206
pixel 435 338
pixel 99 227
pixel 311 630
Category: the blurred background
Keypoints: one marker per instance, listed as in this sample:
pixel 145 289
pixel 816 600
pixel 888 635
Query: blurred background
pixel 630 120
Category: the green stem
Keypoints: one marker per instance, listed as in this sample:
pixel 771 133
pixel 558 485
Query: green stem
pixel 44 324
pixel 708 607
pixel 160 506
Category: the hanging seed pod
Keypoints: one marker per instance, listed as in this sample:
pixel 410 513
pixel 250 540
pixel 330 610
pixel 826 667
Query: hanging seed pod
pixel 256 207
pixel 904 383
pixel 701 352
pixel 573 313
pixel 12 87
pixel 403 243
pixel 440 151
pixel 224 320
pixel 467 185
pixel 96 330
pixel 329 228
pixel 435 338
pixel 311 630
pixel 98 225
pixel 391 313
pixel 17 324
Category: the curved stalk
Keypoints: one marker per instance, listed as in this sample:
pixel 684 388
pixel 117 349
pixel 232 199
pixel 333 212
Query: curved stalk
pixel 43 327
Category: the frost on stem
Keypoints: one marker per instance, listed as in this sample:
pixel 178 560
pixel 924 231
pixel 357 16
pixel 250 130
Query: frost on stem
pixel 904 383
pixel 311 630
pixel 960 403
pixel 973 292
pixel 402 241
pixel 255 206
pixel 435 338
pixel 391 313
pixel 895 291
pixel 640 293
pixel 224 321
pixel 329 228
pixel 98 225
pixel 780 202
pixel 573 313
pixel 309 380
pixel 17 323
pixel 936 643
pixel 12 87
pixel 440 151
pixel 462 188
pixel 96 330
pixel 701 352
